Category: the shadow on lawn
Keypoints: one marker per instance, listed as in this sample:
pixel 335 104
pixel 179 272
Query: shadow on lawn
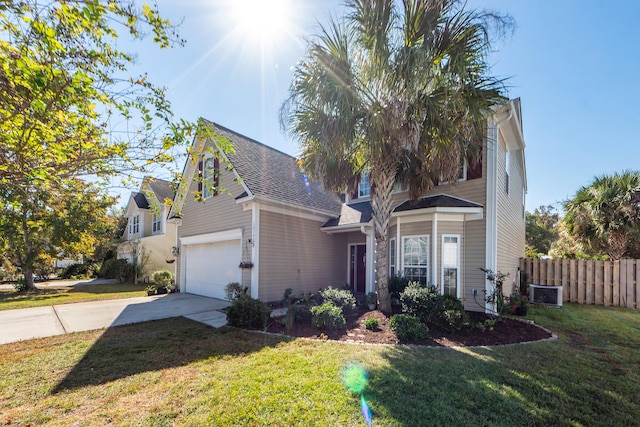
pixel 534 385
pixel 123 351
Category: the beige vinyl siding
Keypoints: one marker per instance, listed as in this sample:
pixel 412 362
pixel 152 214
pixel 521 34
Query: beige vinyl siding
pixel 145 218
pixel 474 250
pixel 296 254
pixel 356 238
pixel 510 218
pixel 158 250
pixel 215 214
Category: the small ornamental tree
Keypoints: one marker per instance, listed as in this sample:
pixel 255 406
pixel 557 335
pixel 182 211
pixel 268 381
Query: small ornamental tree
pixel 69 109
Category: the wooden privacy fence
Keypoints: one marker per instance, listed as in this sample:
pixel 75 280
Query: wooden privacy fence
pixel 608 283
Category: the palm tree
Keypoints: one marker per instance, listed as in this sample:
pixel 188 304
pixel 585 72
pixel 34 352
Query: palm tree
pixel 603 215
pixel 399 94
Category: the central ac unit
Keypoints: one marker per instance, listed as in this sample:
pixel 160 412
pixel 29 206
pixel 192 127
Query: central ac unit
pixel 549 295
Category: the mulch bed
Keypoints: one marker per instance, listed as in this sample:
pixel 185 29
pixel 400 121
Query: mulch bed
pixel 506 331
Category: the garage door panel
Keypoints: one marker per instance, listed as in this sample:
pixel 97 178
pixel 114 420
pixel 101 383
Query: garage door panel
pixel 210 267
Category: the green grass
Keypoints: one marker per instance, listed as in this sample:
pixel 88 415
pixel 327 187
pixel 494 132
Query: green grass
pixel 53 295
pixel 182 373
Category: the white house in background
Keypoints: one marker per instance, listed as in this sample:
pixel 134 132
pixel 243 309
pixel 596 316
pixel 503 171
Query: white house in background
pixel 149 239
pixel 271 228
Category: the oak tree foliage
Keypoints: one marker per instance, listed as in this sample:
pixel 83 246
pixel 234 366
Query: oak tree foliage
pixel 69 110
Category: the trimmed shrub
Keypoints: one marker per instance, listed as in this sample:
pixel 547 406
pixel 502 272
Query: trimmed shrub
pixel 162 278
pixel 341 298
pixel 372 324
pixel 397 285
pixel 443 312
pixel 246 312
pixel 114 268
pixel 300 313
pixel 448 314
pixel 407 328
pixel 297 314
pixel 234 290
pixel 418 300
pixel 328 316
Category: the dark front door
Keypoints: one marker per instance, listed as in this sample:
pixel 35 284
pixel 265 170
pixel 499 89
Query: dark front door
pixel 358 265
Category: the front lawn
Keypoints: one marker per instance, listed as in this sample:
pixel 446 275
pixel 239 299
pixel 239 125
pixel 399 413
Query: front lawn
pixel 178 372
pixel 52 295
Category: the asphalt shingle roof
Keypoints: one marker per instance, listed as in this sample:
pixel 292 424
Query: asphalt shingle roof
pixel 356 213
pixel 161 188
pixel 360 213
pixel 141 201
pixel 275 175
pixel 439 201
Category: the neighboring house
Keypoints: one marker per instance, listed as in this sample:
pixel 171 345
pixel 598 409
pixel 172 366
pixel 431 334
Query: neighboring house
pixel 285 231
pixel 149 240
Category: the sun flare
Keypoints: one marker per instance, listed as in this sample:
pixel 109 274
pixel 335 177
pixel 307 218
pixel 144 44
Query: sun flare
pixel 261 21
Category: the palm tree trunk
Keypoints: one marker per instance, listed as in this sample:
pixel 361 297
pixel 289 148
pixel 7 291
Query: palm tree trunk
pixel 616 243
pixel 382 179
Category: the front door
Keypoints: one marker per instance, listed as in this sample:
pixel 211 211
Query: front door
pixel 358 265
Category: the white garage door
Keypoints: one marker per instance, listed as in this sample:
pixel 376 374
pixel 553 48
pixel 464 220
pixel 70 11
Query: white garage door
pixel 210 267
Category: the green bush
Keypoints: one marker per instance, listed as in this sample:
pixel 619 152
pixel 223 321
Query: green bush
pixel 418 300
pixel 162 278
pixel 246 312
pixel 115 268
pixel 448 314
pixel 300 313
pixel 78 271
pixel 234 290
pixel 397 285
pixel 328 316
pixel 407 328
pixel 341 298
pixel 20 285
pixel 372 324
pixel 443 312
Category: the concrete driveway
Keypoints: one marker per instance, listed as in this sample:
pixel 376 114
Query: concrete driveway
pixel 29 323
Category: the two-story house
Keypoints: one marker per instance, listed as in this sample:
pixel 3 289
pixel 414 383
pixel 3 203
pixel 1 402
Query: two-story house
pixel 269 227
pixel 149 240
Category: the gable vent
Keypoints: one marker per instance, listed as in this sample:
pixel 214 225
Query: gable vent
pixel 548 295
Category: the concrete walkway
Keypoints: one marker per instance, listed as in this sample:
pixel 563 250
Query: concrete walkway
pixel 29 323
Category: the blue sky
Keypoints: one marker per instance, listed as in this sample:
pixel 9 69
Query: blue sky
pixel 574 64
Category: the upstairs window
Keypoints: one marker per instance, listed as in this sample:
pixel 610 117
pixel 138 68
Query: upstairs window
pixel 364 188
pixel 156 223
pixel 209 174
pixel 134 225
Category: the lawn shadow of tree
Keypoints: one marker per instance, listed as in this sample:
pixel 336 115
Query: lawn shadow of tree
pixel 123 351
pixel 486 386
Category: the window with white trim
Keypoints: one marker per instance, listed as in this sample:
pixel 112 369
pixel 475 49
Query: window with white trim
pixel 415 258
pixel 134 225
pixel 451 265
pixel 364 188
pixel 209 178
pixel 156 223
pixel 392 257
